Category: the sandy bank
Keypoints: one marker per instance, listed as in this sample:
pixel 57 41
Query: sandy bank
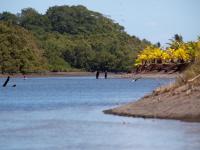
pixel 182 103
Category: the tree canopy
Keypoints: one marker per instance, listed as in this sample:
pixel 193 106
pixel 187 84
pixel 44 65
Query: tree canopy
pixel 75 37
pixel 19 51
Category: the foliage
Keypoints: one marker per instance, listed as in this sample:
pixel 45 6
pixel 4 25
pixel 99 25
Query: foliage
pixel 176 41
pixel 178 52
pixel 18 50
pixel 9 17
pixel 79 20
pixel 194 69
pixel 79 38
pixel 32 20
pixel 151 54
pixel 75 37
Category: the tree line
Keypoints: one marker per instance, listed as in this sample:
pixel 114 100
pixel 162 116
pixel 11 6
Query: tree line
pixel 65 38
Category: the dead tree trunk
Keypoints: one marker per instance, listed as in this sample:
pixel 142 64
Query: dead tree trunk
pixel 6 82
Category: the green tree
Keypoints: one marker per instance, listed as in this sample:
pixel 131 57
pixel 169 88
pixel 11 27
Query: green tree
pixel 19 51
pixel 75 37
pixel 9 17
pixel 32 20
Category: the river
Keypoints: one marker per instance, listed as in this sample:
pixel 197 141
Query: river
pixel 65 113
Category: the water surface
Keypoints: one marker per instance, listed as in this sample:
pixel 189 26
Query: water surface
pixel 65 113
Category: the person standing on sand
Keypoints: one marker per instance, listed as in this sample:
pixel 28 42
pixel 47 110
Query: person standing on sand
pixel 97 75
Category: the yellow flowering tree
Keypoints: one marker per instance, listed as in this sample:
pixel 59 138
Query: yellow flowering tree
pixel 149 55
pixel 173 55
pixel 181 55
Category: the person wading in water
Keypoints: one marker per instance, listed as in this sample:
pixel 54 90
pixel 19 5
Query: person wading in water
pixel 97 75
pixel 105 75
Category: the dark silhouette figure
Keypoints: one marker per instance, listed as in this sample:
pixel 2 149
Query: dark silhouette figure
pixel 97 75
pixel 6 82
pixel 14 85
pixel 105 74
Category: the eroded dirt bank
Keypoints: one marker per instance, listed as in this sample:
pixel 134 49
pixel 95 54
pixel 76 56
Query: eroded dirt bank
pixel 182 103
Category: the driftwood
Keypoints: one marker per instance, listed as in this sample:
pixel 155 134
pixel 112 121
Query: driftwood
pixel 193 79
pixel 6 82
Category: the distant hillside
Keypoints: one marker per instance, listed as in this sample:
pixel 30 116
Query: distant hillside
pixel 75 37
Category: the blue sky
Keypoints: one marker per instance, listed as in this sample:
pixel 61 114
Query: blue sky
pixel 155 20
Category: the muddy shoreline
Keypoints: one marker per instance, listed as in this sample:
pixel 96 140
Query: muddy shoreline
pixel 110 75
pixel 49 74
pixel 182 103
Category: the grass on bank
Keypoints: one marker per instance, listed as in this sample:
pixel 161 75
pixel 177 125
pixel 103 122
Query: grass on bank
pixel 187 80
pixel 193 71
